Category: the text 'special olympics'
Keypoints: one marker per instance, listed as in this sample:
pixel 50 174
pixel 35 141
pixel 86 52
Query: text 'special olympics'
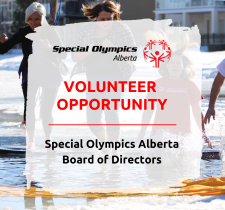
pixel 101 49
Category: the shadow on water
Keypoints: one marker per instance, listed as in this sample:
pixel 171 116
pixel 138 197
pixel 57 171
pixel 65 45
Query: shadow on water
pixel 12 164
pixel 12 140
pixel 11 171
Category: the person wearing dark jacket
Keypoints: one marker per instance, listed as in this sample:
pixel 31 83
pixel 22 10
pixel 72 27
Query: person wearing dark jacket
pixel 34 16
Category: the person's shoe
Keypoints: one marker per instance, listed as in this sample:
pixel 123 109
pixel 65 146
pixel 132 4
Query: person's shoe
pixel 31 147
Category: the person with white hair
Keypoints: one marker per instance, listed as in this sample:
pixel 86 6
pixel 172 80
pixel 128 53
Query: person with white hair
pixel 34 16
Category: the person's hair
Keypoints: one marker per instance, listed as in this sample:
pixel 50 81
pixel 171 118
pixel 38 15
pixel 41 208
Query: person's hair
pixel 92 10
pixel 34 7
pixel 189 69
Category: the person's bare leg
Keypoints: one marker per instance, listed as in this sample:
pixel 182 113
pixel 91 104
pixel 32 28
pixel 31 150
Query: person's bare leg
pixel 29 114
pixel 30 136
pixel 30 142
pixel 48 97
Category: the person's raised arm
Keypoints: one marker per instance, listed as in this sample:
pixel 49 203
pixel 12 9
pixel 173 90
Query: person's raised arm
pixel 8 44
pixel 216 87
pixel 196 110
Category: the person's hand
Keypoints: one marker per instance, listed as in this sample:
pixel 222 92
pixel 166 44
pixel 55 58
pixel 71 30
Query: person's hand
pixel 45 43
pixel 3 38
pixel 107 43
pixel 207 140
pixel 210 112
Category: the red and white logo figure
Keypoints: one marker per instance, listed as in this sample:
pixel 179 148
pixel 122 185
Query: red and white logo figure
pixel 152 52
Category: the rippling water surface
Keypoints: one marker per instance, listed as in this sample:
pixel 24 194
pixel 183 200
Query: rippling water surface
pixel 12 166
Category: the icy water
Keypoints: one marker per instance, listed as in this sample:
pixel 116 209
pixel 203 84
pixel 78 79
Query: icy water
pixel 12 166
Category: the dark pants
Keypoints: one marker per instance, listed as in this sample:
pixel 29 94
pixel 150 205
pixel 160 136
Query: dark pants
pixel 96 116
pixel 24 88
pixel 47 103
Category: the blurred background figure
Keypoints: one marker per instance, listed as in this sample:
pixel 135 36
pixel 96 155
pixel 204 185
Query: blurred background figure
pixel 107 32
pixel 181 93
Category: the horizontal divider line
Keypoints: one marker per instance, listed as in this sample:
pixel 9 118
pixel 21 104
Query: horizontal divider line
pixel 110 124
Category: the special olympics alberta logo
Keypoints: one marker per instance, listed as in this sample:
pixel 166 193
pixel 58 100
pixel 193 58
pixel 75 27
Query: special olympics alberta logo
pixel 157 51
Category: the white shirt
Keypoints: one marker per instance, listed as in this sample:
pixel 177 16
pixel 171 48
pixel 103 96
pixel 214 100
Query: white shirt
pixel 221 67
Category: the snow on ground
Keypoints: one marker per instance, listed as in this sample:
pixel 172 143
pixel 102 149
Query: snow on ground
pixel 10 85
